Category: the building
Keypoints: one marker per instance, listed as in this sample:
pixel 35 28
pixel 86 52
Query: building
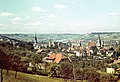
pixel 57 58
pixel 35 42
pixel 99 42
pixel 110 52
pixel 50 43
pixel 110 70
pixel 92 48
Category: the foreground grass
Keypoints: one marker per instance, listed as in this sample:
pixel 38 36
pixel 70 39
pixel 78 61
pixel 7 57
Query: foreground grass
pixel 23 77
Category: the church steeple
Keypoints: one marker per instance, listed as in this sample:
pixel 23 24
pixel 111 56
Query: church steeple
pixel 36 39
pixel 36 45
pixel 99 40
pixel 50 43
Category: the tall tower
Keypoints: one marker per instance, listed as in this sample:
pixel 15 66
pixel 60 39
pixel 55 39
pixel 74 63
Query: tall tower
pixel 80 44
pixel 36 39
pixel 99 40
pixel 36 46
pixel 50 43
pixel 102 43
pixel 69 43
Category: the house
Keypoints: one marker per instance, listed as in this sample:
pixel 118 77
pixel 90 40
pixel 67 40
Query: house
pixel 103 50
pixel 31 67
pixel 35 66
pixel 77 53
pixel 31 64
pixel 83 51
pixel 42 51
pixel 40 66
pixel 110 70
pixel 57 45
pixel 110 52
pixel 57 58
pixel 1 39
pixel 91 44
pixel 117 61
pixel 92 48
pixel 44 45
pixel 119 58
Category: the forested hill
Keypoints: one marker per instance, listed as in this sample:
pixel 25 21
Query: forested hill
pixel 65 37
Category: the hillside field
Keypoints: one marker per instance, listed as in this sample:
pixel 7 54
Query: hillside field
pixel 23 77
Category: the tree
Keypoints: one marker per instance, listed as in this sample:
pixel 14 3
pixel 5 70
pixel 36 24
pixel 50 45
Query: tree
pixel 91 74
pixel 4 62
pixel 15 64
pixel 54 70
pixel 66 70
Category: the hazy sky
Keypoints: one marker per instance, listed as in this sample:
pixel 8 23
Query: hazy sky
pixel 59 16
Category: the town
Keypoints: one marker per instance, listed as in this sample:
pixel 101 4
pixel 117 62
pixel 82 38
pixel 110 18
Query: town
pixel 93 57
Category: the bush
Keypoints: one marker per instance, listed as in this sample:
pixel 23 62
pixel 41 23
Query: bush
pixel 54 70
pixel 42 72
pixel 66 70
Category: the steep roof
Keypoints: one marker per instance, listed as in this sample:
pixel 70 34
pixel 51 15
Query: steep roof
pixel 91 44
pixel 53 56
pixel 57 57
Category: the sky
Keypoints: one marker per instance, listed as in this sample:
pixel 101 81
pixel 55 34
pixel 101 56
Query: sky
pixel 59 16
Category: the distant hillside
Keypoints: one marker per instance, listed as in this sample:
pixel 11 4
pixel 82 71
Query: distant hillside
pixel 106 36
pixel 44 37
pixel 105 33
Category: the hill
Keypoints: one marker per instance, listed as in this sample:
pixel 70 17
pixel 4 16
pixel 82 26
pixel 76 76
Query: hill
pixel 23 77
pixel 65 37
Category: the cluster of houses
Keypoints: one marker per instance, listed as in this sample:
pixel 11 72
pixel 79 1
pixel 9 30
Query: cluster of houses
pixel 60 51
pixel 76 47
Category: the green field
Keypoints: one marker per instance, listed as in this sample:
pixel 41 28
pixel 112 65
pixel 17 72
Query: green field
pixel 23 77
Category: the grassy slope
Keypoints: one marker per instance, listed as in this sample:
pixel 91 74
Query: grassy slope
pixel 23 77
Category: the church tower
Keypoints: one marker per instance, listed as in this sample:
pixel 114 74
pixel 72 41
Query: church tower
pixel 99 41
pixel 36 46
pixel 50 43
pixel 36 39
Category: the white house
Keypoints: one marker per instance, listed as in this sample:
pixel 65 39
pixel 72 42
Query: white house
pixel 110 70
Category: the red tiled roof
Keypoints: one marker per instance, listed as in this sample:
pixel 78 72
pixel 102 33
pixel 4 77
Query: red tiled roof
pixel 116 61
pixel 91 44
pixel 53 56
pixel 118 69
pixel 118 56
pixel 57 57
